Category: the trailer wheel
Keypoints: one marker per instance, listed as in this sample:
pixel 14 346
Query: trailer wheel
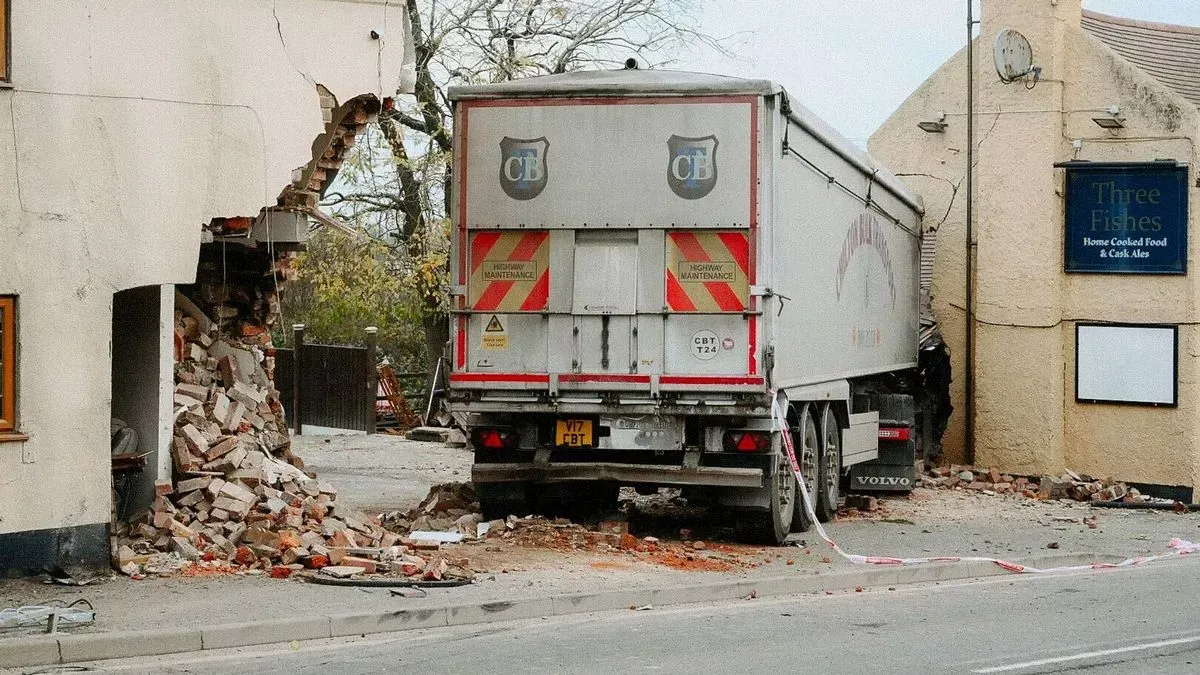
pixel 771 528
pixel 830 473
pixel 807 441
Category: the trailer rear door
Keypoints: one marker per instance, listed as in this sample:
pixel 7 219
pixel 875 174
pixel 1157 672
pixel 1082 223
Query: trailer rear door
pixel 607 243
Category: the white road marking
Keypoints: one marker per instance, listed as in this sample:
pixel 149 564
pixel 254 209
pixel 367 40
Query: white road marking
pixel 1090 655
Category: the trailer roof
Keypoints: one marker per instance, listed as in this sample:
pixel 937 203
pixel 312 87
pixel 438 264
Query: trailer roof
pixel 637 82
pixel 626 82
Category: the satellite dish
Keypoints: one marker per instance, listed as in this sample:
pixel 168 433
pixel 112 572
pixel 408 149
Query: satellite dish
pixel 1013 55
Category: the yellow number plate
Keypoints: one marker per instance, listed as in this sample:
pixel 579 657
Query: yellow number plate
pixel 573 433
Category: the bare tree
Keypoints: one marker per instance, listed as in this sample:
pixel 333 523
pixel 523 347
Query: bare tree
pixel 398 186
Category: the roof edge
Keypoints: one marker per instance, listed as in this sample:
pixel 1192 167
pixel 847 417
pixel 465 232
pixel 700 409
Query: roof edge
pixel 1138 23
pixel 611 83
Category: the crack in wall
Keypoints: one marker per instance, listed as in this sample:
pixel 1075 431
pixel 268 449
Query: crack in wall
pixel 283 42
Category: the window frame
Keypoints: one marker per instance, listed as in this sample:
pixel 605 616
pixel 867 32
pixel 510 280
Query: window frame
pixel 8 354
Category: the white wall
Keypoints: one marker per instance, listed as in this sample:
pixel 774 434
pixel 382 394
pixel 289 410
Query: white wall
pixel 128 125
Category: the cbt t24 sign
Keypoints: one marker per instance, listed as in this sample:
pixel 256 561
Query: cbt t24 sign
pixel 1126 218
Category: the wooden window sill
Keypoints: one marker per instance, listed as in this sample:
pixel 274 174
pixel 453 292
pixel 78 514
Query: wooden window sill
pixel 12 437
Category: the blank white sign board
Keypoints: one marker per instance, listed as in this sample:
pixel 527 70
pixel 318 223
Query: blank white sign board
pixel 1125 364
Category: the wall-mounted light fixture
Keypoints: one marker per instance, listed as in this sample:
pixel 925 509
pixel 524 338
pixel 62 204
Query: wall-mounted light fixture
pixel 934 126
pixel 1112 121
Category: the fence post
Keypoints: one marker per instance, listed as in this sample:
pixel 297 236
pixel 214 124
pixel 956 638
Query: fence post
pixel 372 377
pixel 297 344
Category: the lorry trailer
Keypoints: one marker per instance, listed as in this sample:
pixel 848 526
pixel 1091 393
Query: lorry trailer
pixel 643 263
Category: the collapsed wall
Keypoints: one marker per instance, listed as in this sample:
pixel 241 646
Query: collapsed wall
pixel 237 495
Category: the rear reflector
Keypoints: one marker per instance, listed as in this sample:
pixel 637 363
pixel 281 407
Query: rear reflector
pixel 747 441
pixel 895 433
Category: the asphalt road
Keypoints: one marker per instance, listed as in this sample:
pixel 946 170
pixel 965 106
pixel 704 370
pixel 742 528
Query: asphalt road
pixel 1135 620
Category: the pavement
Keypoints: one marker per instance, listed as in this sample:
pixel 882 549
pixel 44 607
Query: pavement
pixel 179 615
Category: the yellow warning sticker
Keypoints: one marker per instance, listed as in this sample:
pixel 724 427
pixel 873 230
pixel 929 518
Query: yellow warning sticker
pixel 494 335
pixel 496 341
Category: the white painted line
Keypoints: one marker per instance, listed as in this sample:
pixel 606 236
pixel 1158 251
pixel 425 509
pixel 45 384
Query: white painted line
pixel 1090 655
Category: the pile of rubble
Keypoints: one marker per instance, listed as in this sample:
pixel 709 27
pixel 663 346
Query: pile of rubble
pixel 1069 486
pixel 447 507
pixel 240 501
pixel 450 514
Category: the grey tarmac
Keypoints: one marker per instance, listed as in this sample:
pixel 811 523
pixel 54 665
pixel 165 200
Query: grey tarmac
pixel 1113 621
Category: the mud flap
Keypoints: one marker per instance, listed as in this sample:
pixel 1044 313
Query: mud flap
pixel 894 471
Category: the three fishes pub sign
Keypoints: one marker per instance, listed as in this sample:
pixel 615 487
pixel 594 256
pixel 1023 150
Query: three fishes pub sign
pixel 691 166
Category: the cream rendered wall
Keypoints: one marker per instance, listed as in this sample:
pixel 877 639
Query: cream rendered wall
pixel 934 165
pixel 1027 420
pixel 1135 443
pixel 129 124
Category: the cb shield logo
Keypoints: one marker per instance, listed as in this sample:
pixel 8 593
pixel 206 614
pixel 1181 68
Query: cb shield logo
pixel 692 165
pixel 523 170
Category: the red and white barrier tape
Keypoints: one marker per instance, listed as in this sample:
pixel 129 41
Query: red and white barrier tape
pixel 1176 547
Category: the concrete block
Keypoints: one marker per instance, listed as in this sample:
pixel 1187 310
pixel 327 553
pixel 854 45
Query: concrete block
pixel 22 652
pixel 265 632
pixel 506 610
pixel 76 648
pixel 431 434
pixel 387 622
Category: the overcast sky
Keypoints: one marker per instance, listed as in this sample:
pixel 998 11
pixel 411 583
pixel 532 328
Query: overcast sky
pixel 854 61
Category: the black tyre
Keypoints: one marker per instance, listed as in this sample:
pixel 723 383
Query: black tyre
pixel 771 527
pixel 829 474
pixel 806 439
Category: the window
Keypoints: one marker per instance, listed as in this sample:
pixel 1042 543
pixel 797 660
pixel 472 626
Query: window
pixel 8 364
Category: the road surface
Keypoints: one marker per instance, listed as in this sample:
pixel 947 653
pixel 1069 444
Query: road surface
pixel 1134 620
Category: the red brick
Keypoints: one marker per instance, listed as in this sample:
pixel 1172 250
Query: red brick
pixel 351 561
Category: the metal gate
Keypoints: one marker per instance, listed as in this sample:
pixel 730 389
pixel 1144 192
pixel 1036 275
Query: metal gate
pixel 335 385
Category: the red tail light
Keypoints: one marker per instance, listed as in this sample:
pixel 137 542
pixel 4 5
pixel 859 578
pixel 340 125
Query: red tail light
pixel 747 441
pixel 495 439
pixel 895 433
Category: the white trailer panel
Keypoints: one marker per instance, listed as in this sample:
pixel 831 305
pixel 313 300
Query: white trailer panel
pixel 604 162
pixel 845 251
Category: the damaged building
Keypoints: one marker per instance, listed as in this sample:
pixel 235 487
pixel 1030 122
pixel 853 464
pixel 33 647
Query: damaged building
pixel 160 164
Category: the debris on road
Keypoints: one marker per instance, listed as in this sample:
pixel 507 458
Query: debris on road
pixel 449 514
pixel 1070 485
pixel 862 502
pixel 440 511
